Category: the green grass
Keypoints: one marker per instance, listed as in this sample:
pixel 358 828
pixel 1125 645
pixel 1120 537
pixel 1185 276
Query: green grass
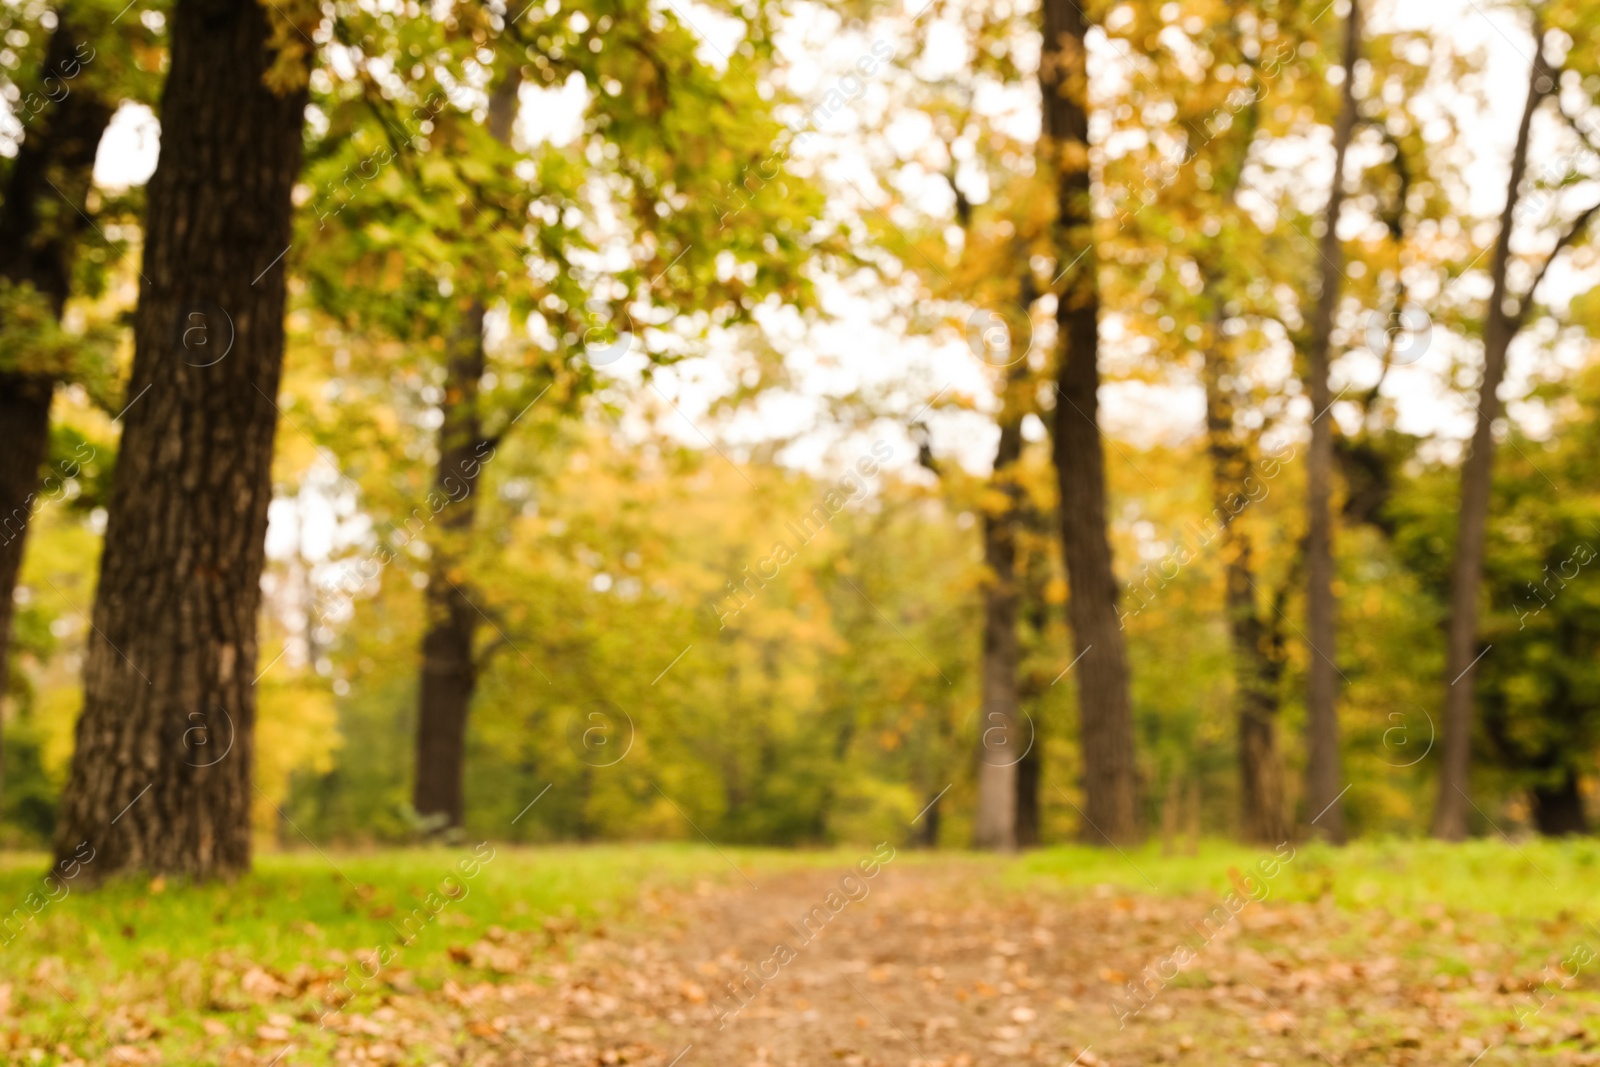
pixel 1455 921
pixel 179 953
pixel 1427 901
pixel 294 907
pixel 1533 880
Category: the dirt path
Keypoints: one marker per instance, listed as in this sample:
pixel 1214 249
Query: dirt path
pixel 935 964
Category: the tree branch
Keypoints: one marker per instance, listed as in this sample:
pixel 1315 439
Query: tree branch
pixel 1588 136
pixel 1571 234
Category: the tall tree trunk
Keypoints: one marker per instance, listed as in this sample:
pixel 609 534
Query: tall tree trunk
pixel 449 671
pixel 39 230
pixel 1002 739
pixel 1105 709
pixel 1029 779
pixel 1256 664
pixel 25 429
pixel 1033 585
pixel 161 776
pixel 1260 766
pixel 1461 655
pixel 928 831
pixel 1323 771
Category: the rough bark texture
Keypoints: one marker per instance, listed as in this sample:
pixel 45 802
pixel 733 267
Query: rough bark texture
pixel 1105 708
pixel 1461 651
pixel 1323 765
pixel 39 228
pixel 1257 645
pixel 1002 736
pixel 449 671
pixel 161 776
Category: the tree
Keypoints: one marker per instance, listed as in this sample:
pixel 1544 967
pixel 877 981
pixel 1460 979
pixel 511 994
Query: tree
pixel 1226 250
pixel 1538 691
pixel 449 663
pixel 1322 722
pixel 1256 635
pixel 161 775
pixel 674 151
pixel 1003 740
pixel 971 261
pixel 1504 318
pixel 41 219
pixel 1104 707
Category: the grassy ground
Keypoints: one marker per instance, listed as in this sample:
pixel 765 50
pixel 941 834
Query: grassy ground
pixel 151 961
pixel 1491 942
pixel 1533 899
pixel 1532 879
pixel 298 906
pixel 155 971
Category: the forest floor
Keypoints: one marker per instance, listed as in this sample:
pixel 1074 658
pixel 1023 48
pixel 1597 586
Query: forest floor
pixel 1392 953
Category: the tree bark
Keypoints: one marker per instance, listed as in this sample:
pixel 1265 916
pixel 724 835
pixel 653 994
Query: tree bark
pixel 39 229
pixel 1462 652
pixel 161 776
pixel 1257 661
pixel 1029 779
pixel 1323 764
pixel 928 831
pixel 25 427
pixel 1105 708
pixel 449 670
pixel 1002 737
pixel 1033 581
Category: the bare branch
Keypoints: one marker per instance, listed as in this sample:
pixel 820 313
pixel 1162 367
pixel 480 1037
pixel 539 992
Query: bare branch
pixel 1587 135
pixel 1571 234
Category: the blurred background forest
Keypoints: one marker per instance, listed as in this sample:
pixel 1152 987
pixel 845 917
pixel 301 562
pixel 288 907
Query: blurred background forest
pixel 748 318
